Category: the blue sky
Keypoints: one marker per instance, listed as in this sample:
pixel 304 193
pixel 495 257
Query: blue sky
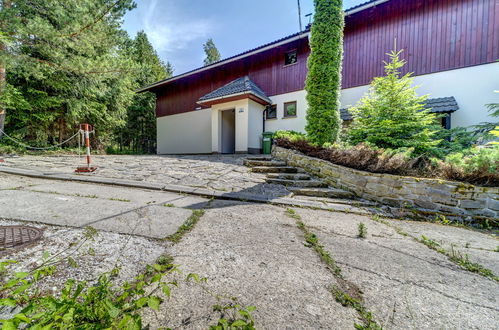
pixel 178 28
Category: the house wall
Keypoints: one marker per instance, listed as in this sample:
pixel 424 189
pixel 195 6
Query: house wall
pixel 186 133
pixel 296 123
pixel 473 87
pixel 241 112
pixel 255 126
pixel 266 69
pixel 436 35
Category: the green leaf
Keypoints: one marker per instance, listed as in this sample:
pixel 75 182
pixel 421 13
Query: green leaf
pixel 8 302
pixel 154 302
pixel 239 323
pixel 9 325
pixel 166 289
pixel 21 275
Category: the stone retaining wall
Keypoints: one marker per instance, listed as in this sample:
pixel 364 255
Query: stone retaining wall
pixel 423 195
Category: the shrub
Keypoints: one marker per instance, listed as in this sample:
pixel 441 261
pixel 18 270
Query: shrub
pixel 289 135
pixel 324 72
pixel 391 115
pixel 475 165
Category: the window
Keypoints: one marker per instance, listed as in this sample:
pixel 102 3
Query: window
pixel 272 111
pixel 290 109
pixel 290 57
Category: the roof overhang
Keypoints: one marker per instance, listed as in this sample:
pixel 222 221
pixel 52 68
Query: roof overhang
pixel 233 97
pixel 305 34
pixel 298 36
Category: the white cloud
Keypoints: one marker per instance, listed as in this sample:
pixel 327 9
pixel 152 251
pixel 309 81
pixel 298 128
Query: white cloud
pixel 169 31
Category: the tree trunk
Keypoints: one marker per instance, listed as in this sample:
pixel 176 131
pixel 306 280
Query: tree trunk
pixel 3 75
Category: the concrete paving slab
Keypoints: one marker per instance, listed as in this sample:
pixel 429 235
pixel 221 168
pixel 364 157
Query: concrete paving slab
pixel 406 285
pixel 154 221
pixel 250 252
pixel 480 247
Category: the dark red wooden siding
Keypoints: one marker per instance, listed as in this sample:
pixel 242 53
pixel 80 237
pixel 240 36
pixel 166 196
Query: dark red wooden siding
pixel 266 69
pixel 436 35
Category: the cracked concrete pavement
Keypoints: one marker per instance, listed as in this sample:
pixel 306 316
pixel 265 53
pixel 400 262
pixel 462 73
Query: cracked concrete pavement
pixel 256 253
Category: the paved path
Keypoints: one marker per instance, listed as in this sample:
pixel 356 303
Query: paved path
pixel 257 254
pixel 223 173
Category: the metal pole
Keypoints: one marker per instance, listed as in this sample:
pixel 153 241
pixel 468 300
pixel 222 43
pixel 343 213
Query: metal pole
pixel 87 143
pixel 299 15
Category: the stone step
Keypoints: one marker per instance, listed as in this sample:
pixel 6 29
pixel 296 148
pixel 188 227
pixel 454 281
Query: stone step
pixel 321 192
pixel 327 200
pixel 298 183
pixel 268 157
pixel 288 176
pixel 252 163
pixel 274 169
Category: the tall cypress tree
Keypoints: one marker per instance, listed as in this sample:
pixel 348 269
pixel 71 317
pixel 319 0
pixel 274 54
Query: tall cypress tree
pixel 211 51
pixel 323 82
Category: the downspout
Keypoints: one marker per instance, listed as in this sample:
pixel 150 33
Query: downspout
pixel 263 119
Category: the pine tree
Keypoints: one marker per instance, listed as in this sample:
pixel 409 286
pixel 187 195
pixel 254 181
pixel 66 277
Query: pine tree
pixel 211 51
pixel 323 82
pixel 392 115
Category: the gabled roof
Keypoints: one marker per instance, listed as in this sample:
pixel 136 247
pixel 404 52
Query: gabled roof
pixel 261 48
pixel 442 104
pixel 241 86
pixel 436 105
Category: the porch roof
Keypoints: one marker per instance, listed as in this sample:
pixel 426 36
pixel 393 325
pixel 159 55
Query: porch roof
pixel 436 105
pixel 240 88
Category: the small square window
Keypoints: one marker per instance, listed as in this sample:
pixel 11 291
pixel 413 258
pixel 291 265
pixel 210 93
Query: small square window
pixel 272 111
pixel 290 109
pixel 290 57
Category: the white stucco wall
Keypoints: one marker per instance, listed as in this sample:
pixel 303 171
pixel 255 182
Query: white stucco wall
pixel 473 87
pixel 185 133
pixel 242 109
pixel 295 123
pixel 255 125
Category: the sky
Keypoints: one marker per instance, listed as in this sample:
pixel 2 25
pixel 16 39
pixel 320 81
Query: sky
pixel 178 28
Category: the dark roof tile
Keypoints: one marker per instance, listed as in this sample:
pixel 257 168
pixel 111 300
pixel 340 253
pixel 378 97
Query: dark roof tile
pixel 437 105
pixel 240 85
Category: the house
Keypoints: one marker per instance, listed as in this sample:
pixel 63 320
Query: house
pixel 450 45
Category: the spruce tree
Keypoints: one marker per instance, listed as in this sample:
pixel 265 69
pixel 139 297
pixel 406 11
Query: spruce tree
pixel 323 82
pixel 139 134
pixel 65 64
pixel 211 51
pixel 391 115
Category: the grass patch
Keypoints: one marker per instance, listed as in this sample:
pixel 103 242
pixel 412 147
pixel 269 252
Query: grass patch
pixel 168 205
pixel 453 255
pixel 186 226
pixel 362 230
pixel 119 199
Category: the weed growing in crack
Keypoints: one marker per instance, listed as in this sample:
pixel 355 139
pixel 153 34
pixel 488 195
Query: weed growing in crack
pixel 186 226
pixel 497 249
pixel 292 214
pixel 233 316
pixel 362 230
pixel 346 300
pixel 119 199
pixel 168 205
pixel 341 294
pixel 457 258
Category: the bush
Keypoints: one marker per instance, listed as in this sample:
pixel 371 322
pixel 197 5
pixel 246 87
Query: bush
pixel 391 115
pixel 289 135
pixel 475 165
